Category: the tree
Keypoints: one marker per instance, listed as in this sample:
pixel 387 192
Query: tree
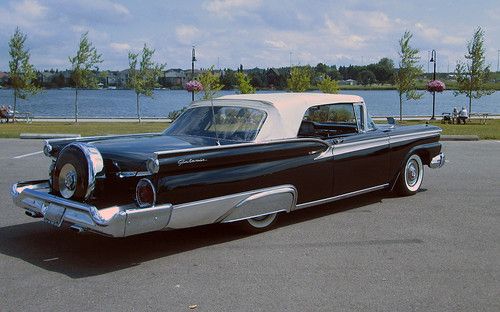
pixel 366 77
pixel 300 79
pixel 473 75
pixel 211 83
pixel 383 70
pixel 409 71
pixel 327 85
pixel 83 65
pixel 244 84
pixel 22 72
pixel 143 77
pixel 228 79
pixel 321 68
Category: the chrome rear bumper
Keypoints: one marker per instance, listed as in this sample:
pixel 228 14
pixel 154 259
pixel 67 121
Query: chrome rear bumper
pixel 116 221
pixel 438 161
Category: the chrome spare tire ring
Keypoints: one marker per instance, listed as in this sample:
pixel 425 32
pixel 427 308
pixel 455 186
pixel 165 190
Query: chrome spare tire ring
pixel 75 171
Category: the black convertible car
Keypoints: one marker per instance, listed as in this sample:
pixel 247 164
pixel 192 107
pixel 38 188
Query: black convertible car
pixel 236 158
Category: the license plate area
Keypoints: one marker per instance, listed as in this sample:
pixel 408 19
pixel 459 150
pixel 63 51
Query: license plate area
pixel 54 215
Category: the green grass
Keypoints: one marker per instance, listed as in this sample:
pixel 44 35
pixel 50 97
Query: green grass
pixel 13 130
pixel 489 131
pixel 421 85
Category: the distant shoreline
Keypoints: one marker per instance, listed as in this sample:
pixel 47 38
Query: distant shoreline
pixel 374 87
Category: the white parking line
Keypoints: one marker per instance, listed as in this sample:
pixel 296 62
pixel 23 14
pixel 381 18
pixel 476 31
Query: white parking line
pixel 26 155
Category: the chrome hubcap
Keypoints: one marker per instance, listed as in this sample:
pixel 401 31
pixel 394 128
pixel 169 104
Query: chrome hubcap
pixel 412 173
pixel 67 181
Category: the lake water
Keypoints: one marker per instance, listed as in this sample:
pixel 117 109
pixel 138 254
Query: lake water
pixel 121 103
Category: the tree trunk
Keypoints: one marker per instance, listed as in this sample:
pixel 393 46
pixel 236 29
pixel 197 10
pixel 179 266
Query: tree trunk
pixel 76 104
pixel 138 110
pixel 15 102
pixel 400 107
pixel 470 104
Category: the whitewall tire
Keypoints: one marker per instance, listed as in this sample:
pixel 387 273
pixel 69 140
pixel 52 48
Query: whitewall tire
pixel 411 176
pixel 259 224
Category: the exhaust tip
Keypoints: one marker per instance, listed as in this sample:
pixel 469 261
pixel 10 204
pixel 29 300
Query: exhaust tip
pixel 76 228
pixel 32 214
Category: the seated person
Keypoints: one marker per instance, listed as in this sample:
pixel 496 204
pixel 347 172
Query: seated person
pixel 454 114
pixel 463 115
pixel 7 113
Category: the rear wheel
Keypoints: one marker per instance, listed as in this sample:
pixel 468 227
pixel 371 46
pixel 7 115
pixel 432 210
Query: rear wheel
pixel 259 224
pixel 411 176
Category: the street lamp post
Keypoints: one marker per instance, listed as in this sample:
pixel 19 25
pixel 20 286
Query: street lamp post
pixel 193 59
pixel 433 60
pixel 498 61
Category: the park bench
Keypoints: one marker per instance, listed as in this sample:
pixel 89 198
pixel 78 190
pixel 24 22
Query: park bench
pixel 482 117
pixel 447 118
pixel 8 115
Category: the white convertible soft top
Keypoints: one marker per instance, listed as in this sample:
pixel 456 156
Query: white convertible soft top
pixel 285 111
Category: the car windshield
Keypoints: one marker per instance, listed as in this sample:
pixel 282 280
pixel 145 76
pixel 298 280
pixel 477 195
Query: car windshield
pixel 231 123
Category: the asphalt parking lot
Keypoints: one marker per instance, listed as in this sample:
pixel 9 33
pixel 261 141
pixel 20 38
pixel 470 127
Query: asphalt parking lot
pixel 436 251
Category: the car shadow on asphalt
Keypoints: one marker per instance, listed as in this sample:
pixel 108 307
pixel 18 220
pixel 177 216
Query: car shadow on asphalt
pixel 84 255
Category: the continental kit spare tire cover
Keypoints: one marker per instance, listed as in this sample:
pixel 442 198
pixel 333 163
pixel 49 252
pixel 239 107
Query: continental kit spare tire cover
pixel 75 171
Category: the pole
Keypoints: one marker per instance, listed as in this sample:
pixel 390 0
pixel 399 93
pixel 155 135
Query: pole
pixel 428 57
pixel 498 61
pixel 433 58
pixel 193 59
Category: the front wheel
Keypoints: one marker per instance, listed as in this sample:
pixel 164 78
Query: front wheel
pixel 259 224
pixel 411 176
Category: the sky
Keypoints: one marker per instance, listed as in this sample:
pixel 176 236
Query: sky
pixel 254 33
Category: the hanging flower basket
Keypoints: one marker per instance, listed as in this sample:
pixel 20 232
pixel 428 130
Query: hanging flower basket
pixel 435 86
pixel 194 85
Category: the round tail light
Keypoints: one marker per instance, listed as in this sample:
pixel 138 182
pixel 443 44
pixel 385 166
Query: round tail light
pixel 145 193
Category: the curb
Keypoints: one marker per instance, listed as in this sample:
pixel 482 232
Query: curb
pixel 48 136
pixel 459 138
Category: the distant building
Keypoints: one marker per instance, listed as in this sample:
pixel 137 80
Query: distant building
pixel 121 78
pixel 109 78
pixel 348 82
pixel 4 77
pixel 188 73
pixel 46 76
pixel 175 77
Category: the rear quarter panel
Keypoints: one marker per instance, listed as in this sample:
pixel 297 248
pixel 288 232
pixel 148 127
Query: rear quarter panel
pixel 407 140
pixel 191 176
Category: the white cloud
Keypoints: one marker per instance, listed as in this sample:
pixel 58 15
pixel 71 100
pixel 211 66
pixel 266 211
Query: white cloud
pixel 120 9
pixel 120 47
pixel 105 6
pixel 25 14
pixel 332 27
pixel 376 20
pixel 341 36
pixel 96 36
pixel 30 8
pixel 454 40
pixel 354 41
pixel 428 32
pixel 277 44
pixel 186 34
pixel 435 36
pixel 229 8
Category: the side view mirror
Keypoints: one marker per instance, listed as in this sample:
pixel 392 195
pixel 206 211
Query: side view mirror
pixel 391 120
